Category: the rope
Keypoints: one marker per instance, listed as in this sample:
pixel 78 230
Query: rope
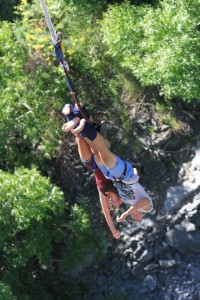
pixel 57 39
pixel 49 23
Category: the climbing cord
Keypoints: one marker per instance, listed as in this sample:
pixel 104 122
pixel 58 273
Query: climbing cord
pixel 58 50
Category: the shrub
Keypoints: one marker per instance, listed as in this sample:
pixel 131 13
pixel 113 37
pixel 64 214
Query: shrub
pixel 159 45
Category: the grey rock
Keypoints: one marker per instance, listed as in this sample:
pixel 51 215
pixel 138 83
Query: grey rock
pixel 139 250
pixel 146 256
pixel 167 263
pixel 176 194
pixel 146 224
pixel 151 281
pixel 185 242
pixel 151 267
pixel 181 172
pixel 188 226
pixel 168 296
pixel 128 252
pixel 131 242
pixel 195 274
pixel 156 264
pixel 161 138
pixel 165 127
pixel 191 206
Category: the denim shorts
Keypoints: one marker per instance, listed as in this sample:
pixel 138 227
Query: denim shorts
pixel 123 171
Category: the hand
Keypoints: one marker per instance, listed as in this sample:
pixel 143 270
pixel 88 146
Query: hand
pixel 117 234
pixel 120 219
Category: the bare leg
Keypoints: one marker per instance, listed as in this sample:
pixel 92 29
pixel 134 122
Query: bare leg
pixel 66 109
pixel 109 161
pixel 100 145
pixel 84 150
pixel 95 151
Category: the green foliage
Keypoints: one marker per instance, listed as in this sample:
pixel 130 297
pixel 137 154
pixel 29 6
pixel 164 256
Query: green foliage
pixel 30 127
pixel 6 292
pixel 160 45
pixel 33 88
pixel 93 73
pixel 30 206
pixel 84 245
pixel 30 217
pixel 25 283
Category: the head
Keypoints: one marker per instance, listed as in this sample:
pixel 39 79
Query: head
pixel 113 196
pixel 107 188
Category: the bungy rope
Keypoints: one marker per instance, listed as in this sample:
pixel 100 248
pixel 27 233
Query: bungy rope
pixel 57 40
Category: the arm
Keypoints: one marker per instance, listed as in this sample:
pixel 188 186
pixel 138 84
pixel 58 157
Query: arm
pixel 125 214
pixel 106 211
pixel 144 205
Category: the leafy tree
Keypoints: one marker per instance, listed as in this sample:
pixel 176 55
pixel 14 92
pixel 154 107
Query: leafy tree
pixel 159 45
pixel 30 99
pixel 6 292
pixel 30 218
pixel 33 88
pixel 30 206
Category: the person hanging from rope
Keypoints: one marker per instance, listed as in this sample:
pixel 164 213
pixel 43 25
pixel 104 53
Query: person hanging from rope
pixel 107 191
pixel 113 167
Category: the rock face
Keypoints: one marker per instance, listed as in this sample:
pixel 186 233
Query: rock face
pixel 189 174
pixel 157 258
pixel 184 242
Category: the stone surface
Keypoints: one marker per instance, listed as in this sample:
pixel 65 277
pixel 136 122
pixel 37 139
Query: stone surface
pixel 158 258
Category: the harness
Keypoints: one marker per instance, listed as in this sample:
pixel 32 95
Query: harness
pixel 124 172
pixel 120 178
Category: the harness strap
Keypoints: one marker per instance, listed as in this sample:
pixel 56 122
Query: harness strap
pixel 124 172
pixel 119 179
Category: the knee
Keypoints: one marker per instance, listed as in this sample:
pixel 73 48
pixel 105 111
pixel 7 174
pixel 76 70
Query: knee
pixel 95 152
pixel 147 204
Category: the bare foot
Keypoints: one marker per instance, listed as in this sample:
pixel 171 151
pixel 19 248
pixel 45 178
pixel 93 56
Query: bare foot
pixel 71 124
pixel 66 109
pixel 80 127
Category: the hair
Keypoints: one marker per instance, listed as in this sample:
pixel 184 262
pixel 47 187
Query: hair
pixel 104 184
pixel 109 189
